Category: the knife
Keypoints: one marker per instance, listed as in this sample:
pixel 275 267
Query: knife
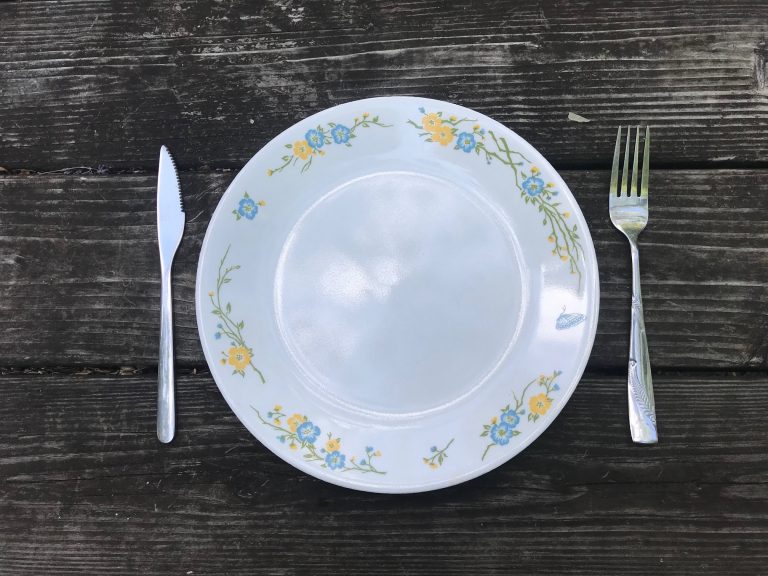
pixel 170 226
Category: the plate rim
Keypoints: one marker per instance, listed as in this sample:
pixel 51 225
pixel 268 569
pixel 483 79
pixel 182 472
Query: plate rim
pixel 592 285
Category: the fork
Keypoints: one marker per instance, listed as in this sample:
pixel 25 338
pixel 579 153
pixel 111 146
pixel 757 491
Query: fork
pixel 629 213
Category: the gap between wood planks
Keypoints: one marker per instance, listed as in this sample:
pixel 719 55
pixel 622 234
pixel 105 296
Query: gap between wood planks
pixel 204 371
pixel 106 170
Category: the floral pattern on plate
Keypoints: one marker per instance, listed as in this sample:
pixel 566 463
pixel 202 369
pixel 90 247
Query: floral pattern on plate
pixel 468 136
pixel 301 434
pixel 304 150
pixel 437 455
pixel 503 428
pixel 239 355
pixel 247 208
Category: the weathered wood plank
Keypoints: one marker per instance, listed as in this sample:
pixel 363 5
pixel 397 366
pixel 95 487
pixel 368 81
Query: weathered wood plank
pixel 85 487
pixel 105 82
pixel 79 270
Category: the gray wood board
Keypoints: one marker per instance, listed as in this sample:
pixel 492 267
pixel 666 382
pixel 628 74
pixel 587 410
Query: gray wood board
pixel 86 488
pixel 79 274
pixel 107 82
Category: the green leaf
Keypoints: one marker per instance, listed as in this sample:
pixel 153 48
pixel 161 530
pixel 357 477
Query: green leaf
pixel 245 195
pixel 241 324
pixel 288 146
pixel 229 308
pixel 484 434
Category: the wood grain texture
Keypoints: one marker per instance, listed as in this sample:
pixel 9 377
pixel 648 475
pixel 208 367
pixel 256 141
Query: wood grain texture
pixel 86 82
pixel 86 488
pixel 79 271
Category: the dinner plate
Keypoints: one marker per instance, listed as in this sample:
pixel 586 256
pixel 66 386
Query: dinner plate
pixel 397 294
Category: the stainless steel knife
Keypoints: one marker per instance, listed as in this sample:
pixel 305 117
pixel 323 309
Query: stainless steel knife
pixel 170 227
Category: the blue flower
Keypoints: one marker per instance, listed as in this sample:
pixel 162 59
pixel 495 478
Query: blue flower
pixel 369 448
pixel 465 141
pixel 340 134
pixel 307 432
pixel 362 462
pixel 219 326
pixel 248 208
pixel 217 335
pixel 533 186
pixel 501 433
pixel 433 449
pixel 335 460
pixel 555 387
pixel 315 139
pixel 281 438
pixel 510 418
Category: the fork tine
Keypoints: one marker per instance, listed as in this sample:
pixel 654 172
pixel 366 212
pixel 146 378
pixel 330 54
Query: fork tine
pixel 625 171
pixel 633 187
pixel 615 168
pixel 646 161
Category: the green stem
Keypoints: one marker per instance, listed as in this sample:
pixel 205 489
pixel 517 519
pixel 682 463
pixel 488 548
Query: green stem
pixel 439 452
pixel 491 445
pixel 519 403
pixel 261 376
pixel 285 165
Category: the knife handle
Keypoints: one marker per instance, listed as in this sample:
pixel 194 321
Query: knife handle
pixel 166 402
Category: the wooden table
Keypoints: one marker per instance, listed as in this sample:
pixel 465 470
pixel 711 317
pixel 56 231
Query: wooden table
pixel 89 90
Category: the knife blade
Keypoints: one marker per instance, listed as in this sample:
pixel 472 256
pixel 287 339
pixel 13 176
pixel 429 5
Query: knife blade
pixel 170 227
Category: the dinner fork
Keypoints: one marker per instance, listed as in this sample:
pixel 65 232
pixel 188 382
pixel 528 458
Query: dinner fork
pixel 629 213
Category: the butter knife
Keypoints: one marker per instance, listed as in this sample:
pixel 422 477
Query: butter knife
pixel 170 227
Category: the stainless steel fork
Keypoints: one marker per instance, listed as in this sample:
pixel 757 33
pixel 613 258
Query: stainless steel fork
pixel 629 213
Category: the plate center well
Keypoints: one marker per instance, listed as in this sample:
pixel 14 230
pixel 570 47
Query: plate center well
pixel 398 293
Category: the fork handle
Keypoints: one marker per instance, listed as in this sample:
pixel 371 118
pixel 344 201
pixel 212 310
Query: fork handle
pixel 166 404
pixel 642 408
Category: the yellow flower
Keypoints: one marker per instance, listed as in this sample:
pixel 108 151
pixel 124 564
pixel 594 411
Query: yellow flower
pixel 551 238
pixel 261 203
pixel 239 357
pixel 210 293
pixel 542 378
pixel 534 170
pixel 269 172
pixel 277 421
pixel 426 460
pixel 365 114
pixel 539 404
pixel 452 118
pixel 292 446
pixel 301 149
pixel 432 465
pixel 476 127
pixel 294 421
pixel 566 214
pixel 223 360
pixel 494 420
pixel 443 135
pixel 278 408
pixel 377 453
pixel 333 444
pixel 564 258
pixel 550 184
pixel 431 122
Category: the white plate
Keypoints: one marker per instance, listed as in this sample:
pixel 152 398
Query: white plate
pixel 397 294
